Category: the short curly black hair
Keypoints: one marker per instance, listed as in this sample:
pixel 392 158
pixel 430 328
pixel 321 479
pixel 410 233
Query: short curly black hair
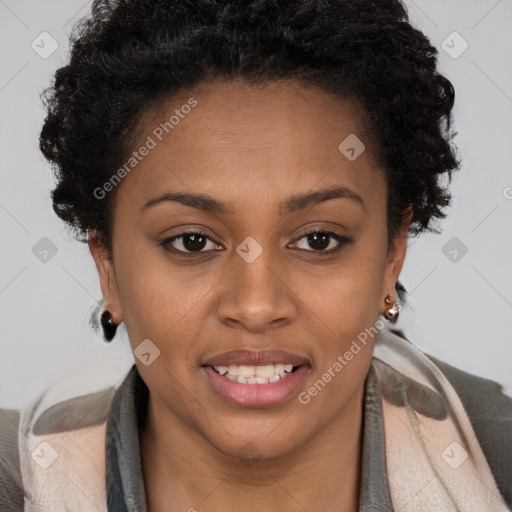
pixel 131 54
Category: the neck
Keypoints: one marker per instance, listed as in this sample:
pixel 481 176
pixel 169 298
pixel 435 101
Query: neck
pixel 184 470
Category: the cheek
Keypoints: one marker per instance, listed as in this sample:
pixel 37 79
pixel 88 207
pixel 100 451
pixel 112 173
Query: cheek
pixel 155 297
pixel 346 313
pixel 170 307
pixel 348 296
pixel 159 299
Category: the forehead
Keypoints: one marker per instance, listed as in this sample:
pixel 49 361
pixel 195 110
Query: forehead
pixel 279 138
pixel 272 115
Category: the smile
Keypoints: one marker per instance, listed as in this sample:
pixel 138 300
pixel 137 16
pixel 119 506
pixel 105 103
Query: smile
pixel 265 374
pixel 256 386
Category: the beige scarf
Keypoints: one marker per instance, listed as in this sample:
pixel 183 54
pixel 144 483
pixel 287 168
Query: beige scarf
pixel 433 458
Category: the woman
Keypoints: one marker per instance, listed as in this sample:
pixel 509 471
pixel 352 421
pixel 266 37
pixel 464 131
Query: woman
pixel 246 176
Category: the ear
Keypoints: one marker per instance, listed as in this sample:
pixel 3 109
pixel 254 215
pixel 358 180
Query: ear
pixel 108 282
pixel 395 262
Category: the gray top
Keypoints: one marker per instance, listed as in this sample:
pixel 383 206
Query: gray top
pixel 124 473
pixel 489 410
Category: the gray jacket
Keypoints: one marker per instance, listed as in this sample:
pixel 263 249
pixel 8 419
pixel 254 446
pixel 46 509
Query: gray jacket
pixel 489 410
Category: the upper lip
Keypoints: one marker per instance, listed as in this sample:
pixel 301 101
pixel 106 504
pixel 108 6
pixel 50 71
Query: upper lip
pixel 255 358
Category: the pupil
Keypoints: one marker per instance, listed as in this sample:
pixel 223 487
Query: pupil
pixel 194 242
pixel 318 240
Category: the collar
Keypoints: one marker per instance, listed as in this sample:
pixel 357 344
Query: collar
pixel 125 482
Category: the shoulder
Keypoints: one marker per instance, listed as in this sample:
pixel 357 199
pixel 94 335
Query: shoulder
pixel 64 416
pixel 11 488
pixel 490 413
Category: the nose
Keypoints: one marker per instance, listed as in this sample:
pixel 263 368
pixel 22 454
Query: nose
pixel 256 296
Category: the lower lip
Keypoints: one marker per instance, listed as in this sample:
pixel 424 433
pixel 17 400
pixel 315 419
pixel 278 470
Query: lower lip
pixel 256 395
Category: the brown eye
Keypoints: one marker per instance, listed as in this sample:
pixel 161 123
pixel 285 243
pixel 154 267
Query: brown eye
pixel 188 242
pixel 319 241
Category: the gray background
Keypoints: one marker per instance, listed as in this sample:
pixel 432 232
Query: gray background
pixel 458 310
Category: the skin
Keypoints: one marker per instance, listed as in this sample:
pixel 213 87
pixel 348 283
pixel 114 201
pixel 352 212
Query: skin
pixel 251 148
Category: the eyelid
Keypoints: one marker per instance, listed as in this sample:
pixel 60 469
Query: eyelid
pixel 190 231
pixel 341 239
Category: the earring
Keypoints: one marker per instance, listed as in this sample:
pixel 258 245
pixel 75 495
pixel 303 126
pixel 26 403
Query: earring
pixel 109 327
pixel 391 313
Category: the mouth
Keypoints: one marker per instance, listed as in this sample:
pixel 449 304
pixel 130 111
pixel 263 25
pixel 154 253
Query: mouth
pixel 256 379
pixel 264 374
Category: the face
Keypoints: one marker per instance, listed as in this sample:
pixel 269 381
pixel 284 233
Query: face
pixel 234 263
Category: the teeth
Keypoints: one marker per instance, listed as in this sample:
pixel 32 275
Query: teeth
pixel 257 380
pixel 246 371
pixel 279 369
pixel 232 370
pixel 254 374
pixel 266 371
pixel 222 369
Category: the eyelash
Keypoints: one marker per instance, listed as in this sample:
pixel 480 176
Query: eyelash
pixel 342 241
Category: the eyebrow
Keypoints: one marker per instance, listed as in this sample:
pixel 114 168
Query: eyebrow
pixel 295 203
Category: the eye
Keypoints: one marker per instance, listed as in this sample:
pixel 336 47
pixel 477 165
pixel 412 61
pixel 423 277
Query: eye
pixel 188 242
pixel 320 240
